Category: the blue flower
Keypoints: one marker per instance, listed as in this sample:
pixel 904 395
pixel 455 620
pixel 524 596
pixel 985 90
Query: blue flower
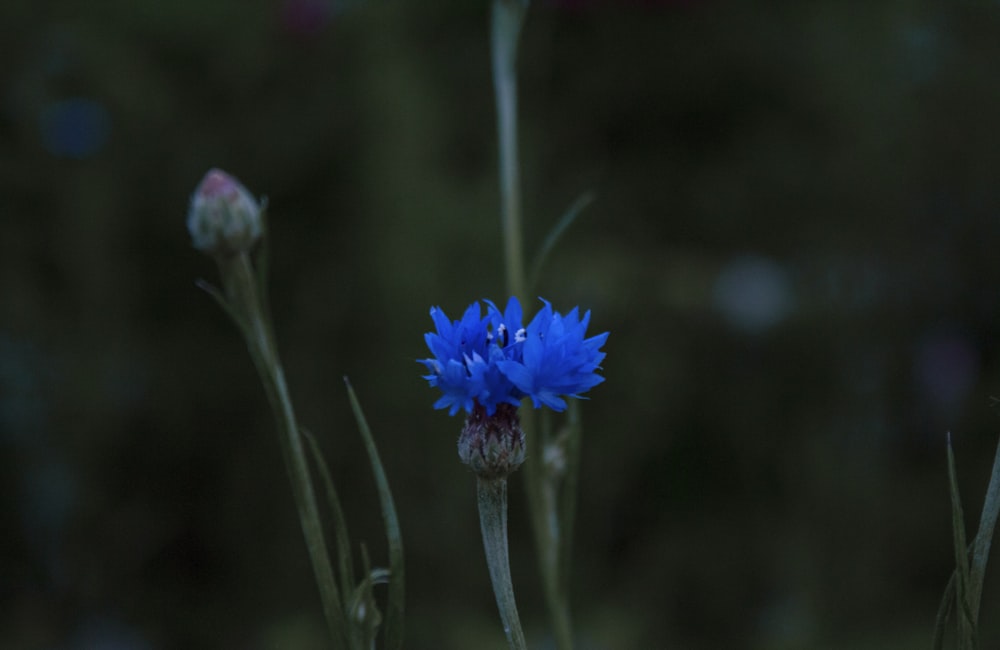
pixel 493 359
pixel 556 359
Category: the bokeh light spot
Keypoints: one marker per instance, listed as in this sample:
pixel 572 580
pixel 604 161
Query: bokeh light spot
pixel 75 128
pixel 753 293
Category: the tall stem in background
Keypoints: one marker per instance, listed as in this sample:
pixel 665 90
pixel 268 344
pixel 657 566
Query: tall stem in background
pixel 508 16
pixel 507 19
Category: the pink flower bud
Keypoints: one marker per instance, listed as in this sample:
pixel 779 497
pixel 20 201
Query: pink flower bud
pixel 224 218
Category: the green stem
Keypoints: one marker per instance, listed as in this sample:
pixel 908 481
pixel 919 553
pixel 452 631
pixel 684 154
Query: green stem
pixel 492 497
pixel 508 16
pixel 241 287
pixel 507 19
pixel 395 601
pixel 550 535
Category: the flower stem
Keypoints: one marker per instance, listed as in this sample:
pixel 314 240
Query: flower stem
pixel 492 497
pixel 243 293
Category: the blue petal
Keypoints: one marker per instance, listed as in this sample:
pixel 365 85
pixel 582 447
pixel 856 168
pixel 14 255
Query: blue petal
pixel 493 359
pixel 519 375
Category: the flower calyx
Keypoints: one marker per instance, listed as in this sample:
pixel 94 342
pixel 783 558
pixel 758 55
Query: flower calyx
pixel 492 445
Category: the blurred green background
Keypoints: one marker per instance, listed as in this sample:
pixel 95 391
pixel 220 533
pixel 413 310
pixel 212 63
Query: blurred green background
pixel 793 247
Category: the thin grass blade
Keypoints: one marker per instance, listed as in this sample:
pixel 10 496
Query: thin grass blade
pixel 342 540
pixel 984 538
pixel 944 613
pixel 362 609
pixel 565 221
pixel 966 624
pixel 395 603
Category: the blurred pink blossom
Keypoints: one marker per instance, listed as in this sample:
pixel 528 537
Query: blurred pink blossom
pixel 305 18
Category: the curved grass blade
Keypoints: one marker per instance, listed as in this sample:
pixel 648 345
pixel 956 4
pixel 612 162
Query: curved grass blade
pixel 395 604
pixel 361 608
pixel 944 613
pixel 945 609
pixel 966 622
pixel 345 561
pixel 565 221
pixel 984 538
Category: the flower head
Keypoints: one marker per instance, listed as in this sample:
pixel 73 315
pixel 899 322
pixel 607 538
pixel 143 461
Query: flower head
pixel 224 218
pixel 492 359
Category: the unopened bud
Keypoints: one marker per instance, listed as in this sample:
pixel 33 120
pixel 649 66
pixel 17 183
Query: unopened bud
pixel 224 219
pixel 492 445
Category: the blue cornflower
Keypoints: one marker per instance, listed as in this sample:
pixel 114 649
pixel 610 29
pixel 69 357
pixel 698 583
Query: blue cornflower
pixel 491 360
pixel 556 359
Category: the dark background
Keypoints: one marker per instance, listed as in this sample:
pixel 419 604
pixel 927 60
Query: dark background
pixel 793 247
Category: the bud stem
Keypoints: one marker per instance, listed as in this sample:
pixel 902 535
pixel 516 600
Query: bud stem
pixel 244 301
pixel 492 496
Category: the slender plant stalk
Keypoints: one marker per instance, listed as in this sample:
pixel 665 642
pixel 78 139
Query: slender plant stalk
pixel 508 16
pixel 492 497
pixel 243 293
pixel 342 540
pixel 507 19
pixel 548 511
pixel 395 604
